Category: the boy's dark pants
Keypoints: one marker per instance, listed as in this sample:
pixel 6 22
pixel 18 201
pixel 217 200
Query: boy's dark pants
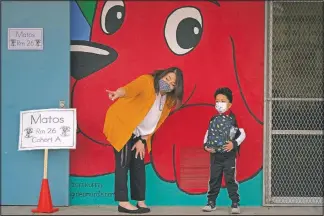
pixel 125 160
pixel 219 163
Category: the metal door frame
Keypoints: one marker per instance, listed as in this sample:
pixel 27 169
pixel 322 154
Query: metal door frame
pixel 268 200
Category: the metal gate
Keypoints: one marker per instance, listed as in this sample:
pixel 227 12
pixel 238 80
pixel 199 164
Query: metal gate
pixel 294 105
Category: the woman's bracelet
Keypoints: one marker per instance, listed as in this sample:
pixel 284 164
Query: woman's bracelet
pixel 143 140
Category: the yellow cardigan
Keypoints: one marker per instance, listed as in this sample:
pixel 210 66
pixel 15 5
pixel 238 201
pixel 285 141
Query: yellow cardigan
pixel 128 112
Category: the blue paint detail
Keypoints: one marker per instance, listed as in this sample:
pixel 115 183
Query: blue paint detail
pixel 33 80
pixel 80 29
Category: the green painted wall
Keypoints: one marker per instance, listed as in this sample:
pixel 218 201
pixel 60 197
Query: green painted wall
pixel 99 191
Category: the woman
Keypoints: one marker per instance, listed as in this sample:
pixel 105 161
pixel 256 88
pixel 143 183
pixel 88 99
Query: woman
pixel 142 107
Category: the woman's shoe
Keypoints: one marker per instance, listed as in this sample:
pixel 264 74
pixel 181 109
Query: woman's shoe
pixel 144 209
pixel 129 211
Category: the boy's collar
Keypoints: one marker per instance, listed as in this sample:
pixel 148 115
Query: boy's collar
pixel 225 113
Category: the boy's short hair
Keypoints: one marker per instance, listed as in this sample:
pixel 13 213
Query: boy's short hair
pixel 224 91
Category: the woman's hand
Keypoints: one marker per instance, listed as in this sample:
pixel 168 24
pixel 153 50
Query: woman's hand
pixel 140 149
pixel 113 95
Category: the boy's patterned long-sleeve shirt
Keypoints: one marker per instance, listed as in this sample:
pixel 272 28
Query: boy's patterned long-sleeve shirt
pixel 218 132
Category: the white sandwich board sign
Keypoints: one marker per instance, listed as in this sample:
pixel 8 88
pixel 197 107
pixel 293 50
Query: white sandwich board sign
pixel 47 129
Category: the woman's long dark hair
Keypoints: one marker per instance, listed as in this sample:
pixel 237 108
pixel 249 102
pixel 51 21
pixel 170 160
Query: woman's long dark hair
pixel 177 93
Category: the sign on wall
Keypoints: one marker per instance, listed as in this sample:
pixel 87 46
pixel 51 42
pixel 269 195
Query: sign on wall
pixel 47 129
pixel 25 38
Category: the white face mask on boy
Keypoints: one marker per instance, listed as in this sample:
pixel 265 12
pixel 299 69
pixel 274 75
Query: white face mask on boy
pixel 221 107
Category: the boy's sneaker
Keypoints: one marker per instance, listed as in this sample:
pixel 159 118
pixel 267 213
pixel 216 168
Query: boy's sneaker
pixel 211 206
pixel 235 208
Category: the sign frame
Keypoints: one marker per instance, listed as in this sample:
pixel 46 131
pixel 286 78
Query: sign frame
pixel 73 130
pixel 32 47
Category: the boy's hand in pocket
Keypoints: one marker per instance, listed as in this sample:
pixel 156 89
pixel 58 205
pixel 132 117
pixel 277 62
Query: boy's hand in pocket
pixel 209 149
pixel 228 146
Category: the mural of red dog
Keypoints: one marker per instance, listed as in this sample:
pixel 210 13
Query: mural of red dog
pixel 215 44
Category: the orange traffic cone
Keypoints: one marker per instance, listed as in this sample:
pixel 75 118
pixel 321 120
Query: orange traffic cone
pixel 45 201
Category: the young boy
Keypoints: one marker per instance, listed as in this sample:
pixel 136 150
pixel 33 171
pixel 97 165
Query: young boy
pixel 222 141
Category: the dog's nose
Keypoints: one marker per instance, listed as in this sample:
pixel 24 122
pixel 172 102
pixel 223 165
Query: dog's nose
pixel 88 57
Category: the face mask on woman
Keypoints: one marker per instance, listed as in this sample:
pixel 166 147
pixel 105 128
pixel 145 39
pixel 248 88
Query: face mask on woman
pixel 164 86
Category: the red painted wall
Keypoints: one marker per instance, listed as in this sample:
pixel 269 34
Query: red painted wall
pixel 225 47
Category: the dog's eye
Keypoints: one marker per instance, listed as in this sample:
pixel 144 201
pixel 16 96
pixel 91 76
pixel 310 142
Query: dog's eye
pixel 183 30
pixel 112 16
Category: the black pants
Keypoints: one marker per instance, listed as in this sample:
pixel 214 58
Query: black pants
pixel 223 163
pixel 125 160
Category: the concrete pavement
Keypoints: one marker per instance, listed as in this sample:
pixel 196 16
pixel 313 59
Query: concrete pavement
pixel 164 210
